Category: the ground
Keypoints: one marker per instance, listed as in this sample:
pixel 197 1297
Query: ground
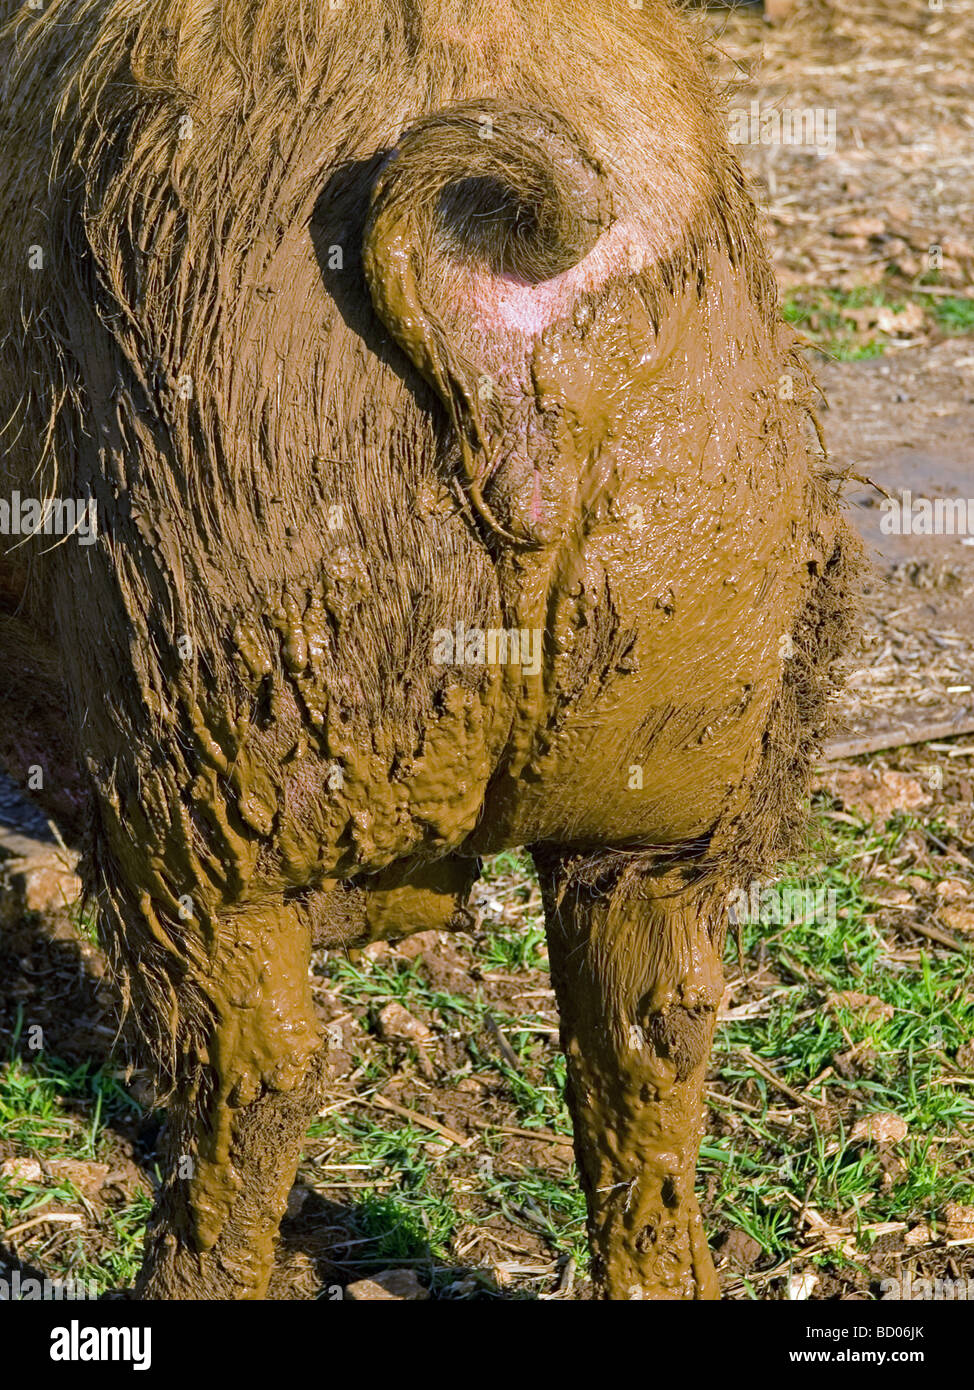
pixel 841 1121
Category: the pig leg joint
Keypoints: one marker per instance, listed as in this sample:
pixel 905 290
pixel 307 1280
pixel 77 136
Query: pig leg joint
pixel 681 1036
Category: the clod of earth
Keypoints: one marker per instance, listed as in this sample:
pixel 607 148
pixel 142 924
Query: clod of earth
pixel 457 488
pixel 391 1285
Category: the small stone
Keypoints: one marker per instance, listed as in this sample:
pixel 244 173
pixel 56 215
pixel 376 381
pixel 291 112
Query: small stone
pixel 861 227
pixel 37 879
pixel 951 889
pixel 375 950
pixel 397 1022
pixel 875 794
pixel 802 1286
pixel 739 1249
pixel 48 887
pixel 857 1061
pixel 21 1171
pixel 472 1084
pixel 390 1286
pixel 960 1222
pixel 88 1178
pixel 881 1128
pixel 893 897
pixel 959 919
pixel 909 319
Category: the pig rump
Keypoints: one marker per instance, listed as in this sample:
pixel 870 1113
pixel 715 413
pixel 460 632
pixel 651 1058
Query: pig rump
pixel 181 158
pixel 242 318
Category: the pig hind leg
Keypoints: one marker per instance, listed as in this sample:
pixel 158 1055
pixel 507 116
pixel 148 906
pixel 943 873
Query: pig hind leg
pixel 636 964
pixel 237 1122
pixel 238 1112
pixel 264 1144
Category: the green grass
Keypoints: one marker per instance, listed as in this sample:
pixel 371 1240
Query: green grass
pixel 411 1198
pixel 524 947
pixel 826 318
pixel 554 1210
pixel 52 1110
pixel 759 1167
pixel 752 1173
pixel 819 316
pixel 954 315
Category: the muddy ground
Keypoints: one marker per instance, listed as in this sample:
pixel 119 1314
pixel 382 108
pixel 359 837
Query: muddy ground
pixel 840 1124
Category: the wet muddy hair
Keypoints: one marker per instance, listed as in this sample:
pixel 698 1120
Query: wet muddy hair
pixel 169 149
pixel 188 139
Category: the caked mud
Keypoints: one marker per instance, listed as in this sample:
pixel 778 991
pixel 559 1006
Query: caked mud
pixel 359 325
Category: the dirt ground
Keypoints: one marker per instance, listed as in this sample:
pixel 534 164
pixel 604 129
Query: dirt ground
pixel 896 75
pixel 873 245
pixel 840 1125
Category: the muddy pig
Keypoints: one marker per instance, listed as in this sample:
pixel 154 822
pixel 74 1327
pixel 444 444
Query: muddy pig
pixel 409 463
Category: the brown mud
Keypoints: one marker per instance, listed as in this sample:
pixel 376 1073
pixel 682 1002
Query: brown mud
pixel 590 427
